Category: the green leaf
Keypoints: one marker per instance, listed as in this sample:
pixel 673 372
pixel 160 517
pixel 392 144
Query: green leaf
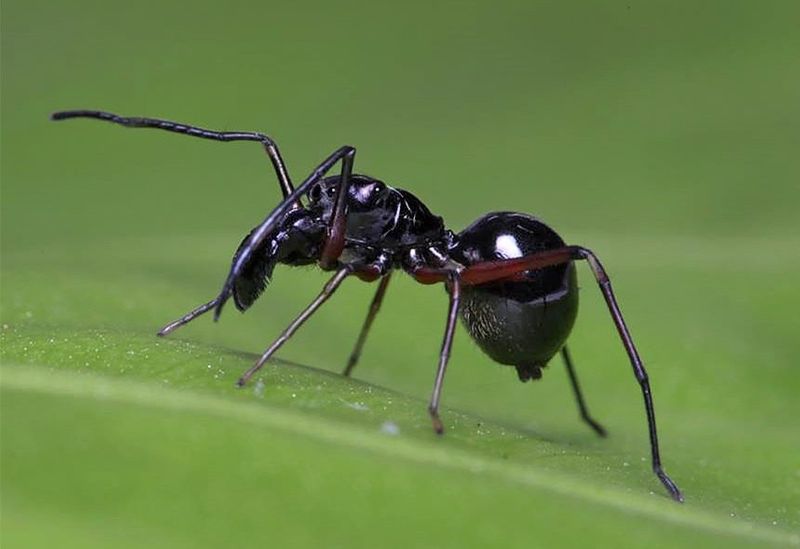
pixel 109 431
pixel 662 135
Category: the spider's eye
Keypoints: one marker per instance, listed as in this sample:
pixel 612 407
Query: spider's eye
pixel 315 193
pixel 382 197
pixel 377 193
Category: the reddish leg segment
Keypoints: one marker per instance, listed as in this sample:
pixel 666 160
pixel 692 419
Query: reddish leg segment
pixel 334 243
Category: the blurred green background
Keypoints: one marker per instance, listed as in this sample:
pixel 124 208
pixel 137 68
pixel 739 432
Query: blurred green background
pixel 663 135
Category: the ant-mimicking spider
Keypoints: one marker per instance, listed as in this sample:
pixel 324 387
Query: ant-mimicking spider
pixel 510 276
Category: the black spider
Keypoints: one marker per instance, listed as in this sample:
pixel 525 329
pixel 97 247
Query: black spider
pixel 510 276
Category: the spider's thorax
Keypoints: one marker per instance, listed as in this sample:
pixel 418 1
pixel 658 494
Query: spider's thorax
pixel 384 224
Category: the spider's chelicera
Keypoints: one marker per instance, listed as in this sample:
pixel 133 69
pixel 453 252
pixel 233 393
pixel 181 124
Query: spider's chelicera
pixel 510 277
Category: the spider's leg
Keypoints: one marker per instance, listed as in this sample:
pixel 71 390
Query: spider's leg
pixel 336 231
pixel 576 388
pixel 373 312
pixel 327 292
pixel 187 318
pixel 138 122
pixel 454 289
pixel 334 242
pixel 263 230
pixel 508 269
pixel 638 368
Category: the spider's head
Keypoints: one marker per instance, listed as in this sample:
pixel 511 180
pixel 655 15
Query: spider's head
pixel 364 194
pixel 295 241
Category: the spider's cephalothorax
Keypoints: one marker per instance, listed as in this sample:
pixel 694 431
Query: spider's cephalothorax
pixel 510 276
pixel 378 216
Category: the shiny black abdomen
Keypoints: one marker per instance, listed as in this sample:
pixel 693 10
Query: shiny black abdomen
pixel 517 323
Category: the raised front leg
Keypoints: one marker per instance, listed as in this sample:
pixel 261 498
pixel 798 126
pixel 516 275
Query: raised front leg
pixel 139 122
